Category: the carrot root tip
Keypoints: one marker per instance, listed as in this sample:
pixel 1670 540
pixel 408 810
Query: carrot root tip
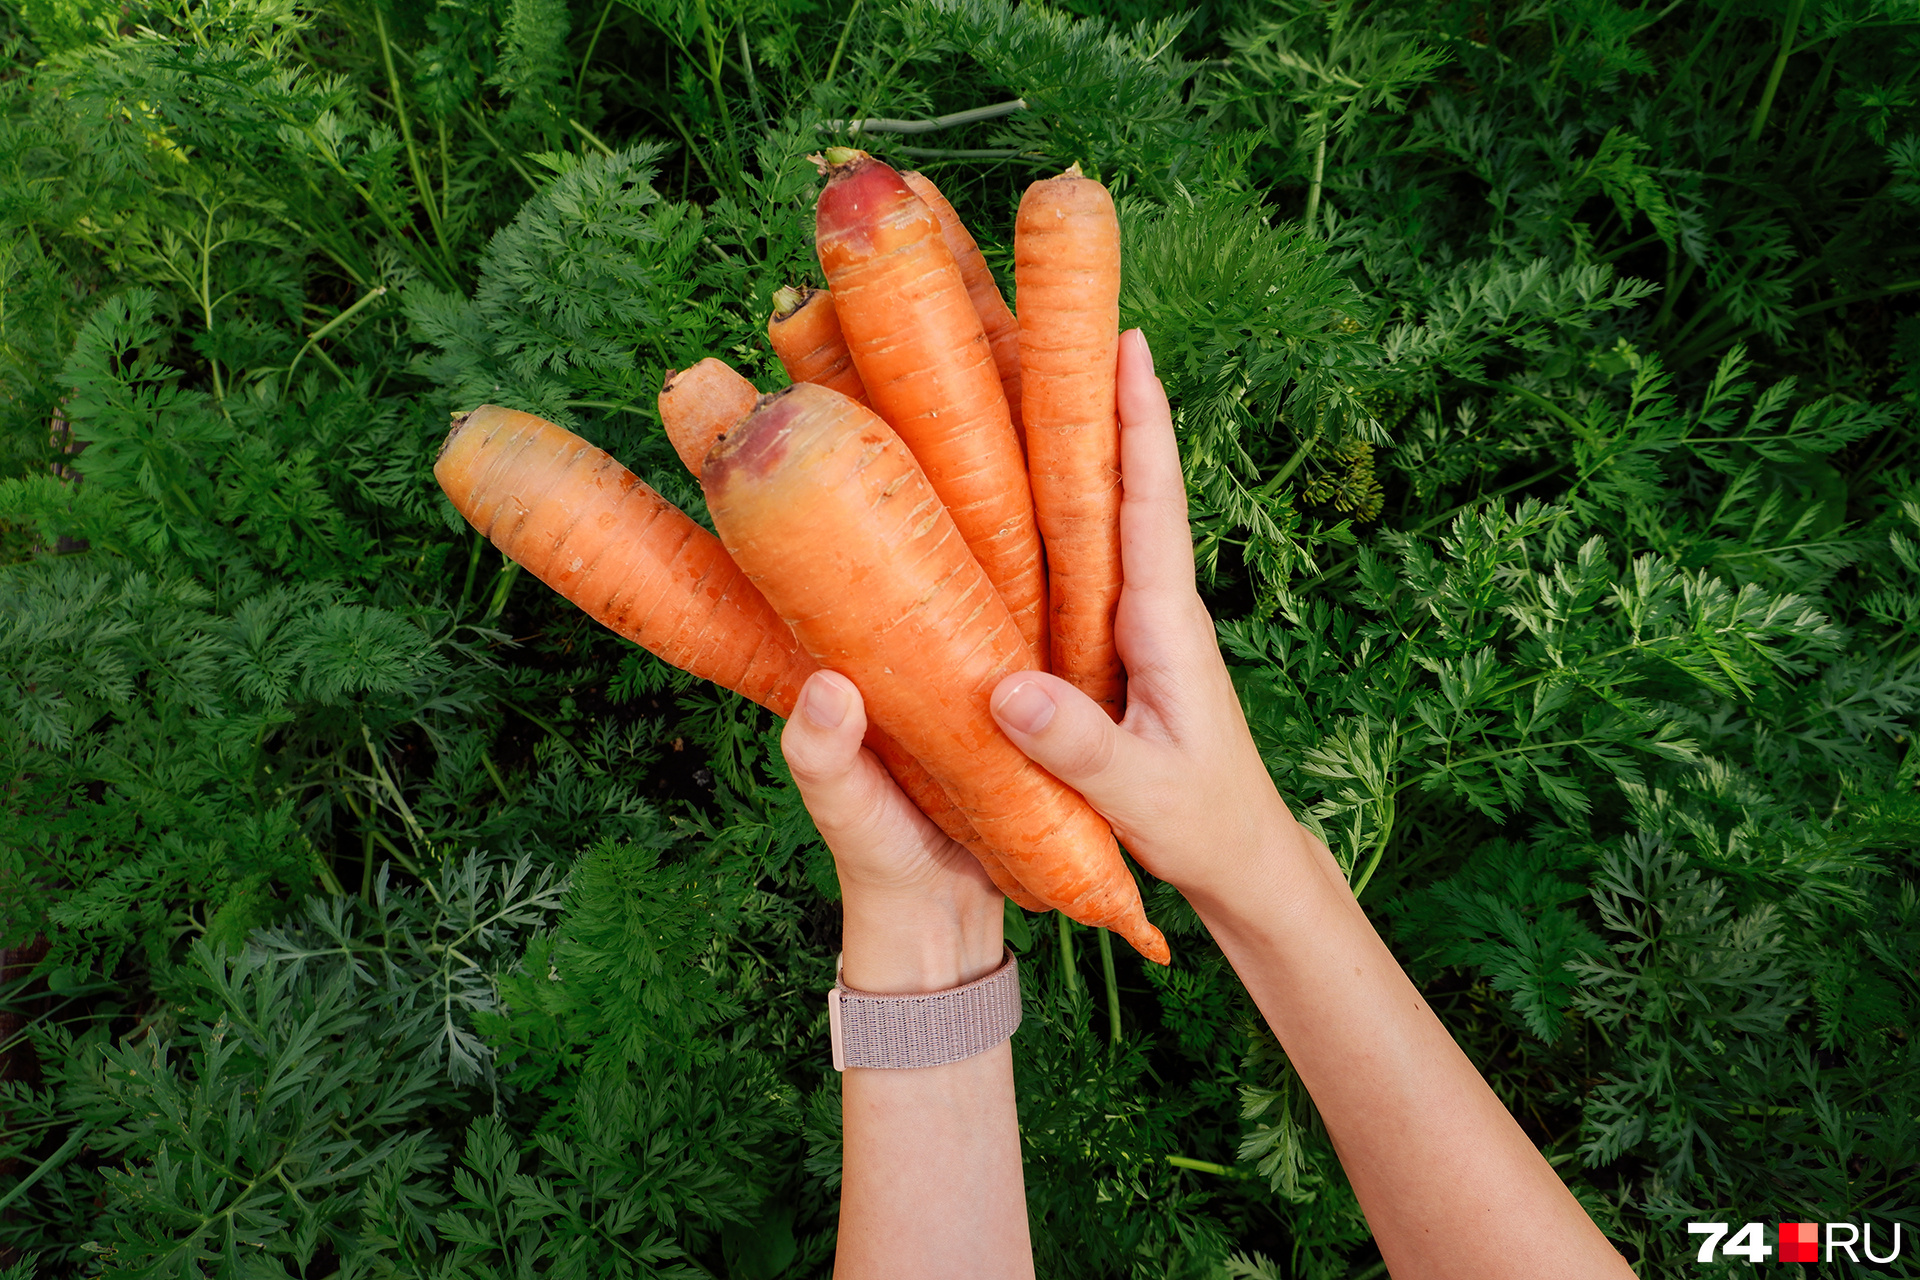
pixel 1152 944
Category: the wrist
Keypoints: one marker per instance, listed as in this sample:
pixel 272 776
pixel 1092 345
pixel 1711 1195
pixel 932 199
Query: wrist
pixel 1281 869
pixel 896 946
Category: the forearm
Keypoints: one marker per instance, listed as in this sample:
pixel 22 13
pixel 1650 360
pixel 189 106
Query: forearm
pixel 1450 1184
pixel 931 1183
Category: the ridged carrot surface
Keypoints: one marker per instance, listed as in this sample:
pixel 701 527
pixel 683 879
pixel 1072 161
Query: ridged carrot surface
pixel 804 330
pixel 1003 332
pixel 586 526
pixel 823 506
pixel 924 359
pixel 700 404
pixel 1066 270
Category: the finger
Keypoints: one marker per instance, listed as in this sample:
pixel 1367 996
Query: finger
pixel 845 790
pixel 1071 736
pixel 1156 548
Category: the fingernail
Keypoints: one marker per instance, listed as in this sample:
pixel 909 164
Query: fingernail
pixel 827 703
pixel 1140 336
pixel 1027 708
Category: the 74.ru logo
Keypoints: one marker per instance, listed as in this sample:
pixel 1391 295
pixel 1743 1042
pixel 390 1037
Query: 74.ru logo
pixel 1799 1241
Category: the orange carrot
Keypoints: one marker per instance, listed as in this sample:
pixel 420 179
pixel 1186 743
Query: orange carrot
pixel 929 372
pixel 805 332
pixel 1003 332
pixel 700 404
pixel 1066 270
pixel 699 407
pixel 823 506
pixel 587 527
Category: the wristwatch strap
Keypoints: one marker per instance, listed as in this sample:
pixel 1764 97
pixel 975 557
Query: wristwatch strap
pixel 924 1030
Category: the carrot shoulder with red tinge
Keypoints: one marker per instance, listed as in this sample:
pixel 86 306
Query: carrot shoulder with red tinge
pixel 1066 269
pixel 823 506
pixel 924 359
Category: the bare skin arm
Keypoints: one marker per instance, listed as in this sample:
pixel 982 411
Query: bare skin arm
pixel 931 1178
pixel 1449 1183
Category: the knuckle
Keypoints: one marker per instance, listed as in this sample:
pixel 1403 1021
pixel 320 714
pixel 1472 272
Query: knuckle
pixel 1087 752
pixel 804 757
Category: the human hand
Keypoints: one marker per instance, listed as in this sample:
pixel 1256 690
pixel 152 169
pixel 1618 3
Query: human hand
pixel 1179 778
pixel 920 914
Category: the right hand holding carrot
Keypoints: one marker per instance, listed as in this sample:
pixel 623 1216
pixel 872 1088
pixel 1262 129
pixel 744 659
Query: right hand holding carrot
pixel 1179 777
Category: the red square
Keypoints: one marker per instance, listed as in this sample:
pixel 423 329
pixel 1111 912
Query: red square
pixel 1799 1242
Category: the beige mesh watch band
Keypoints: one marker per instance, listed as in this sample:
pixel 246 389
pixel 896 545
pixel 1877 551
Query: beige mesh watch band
pixel 926 1030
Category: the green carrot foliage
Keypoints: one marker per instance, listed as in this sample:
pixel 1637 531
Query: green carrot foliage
pixel 1546 382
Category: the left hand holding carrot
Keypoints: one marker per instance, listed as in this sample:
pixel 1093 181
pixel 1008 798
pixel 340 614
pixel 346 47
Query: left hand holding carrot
pixel 919 913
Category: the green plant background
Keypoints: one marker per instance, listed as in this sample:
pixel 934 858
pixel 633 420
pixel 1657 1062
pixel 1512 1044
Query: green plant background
pixel 1546 377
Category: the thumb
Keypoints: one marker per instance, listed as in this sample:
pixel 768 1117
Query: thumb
pixel 878 838
pixel 1070 736
pixel 821 743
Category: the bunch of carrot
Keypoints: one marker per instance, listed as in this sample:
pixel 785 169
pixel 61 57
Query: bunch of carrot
pixel 932 505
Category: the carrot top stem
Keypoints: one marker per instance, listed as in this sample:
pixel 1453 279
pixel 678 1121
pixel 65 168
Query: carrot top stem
pixel 788 299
